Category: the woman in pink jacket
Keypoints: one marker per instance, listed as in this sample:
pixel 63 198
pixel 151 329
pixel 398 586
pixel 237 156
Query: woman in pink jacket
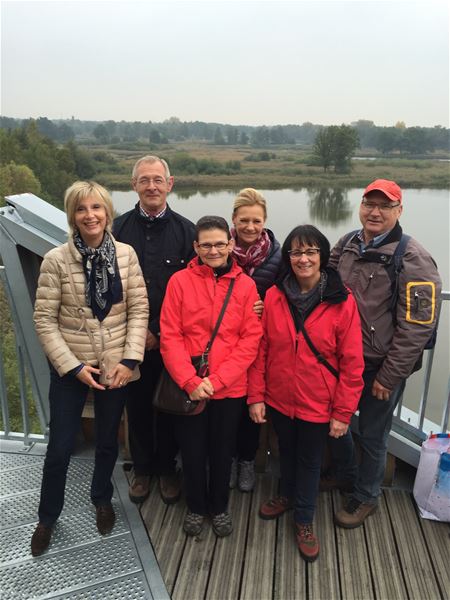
pixel 308 373
pixel 193 301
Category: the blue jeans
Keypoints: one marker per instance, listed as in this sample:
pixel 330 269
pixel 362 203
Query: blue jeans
pixel 375 420
pixel 301 445
pixel 67 396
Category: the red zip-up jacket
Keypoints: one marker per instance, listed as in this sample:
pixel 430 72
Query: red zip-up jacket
pixel 286 374
pixel 193 300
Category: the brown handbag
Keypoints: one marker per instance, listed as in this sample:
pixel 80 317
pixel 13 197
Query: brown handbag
pixel 168 396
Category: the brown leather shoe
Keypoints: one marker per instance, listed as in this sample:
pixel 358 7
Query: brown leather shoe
pixel 139 490
pixel 105 518
pixel 40 539
pixel 170 487
pixel 275 507
pixel 307 542
pixel 354 513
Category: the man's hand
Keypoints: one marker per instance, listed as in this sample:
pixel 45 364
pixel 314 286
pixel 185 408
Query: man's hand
pixel 152 342
pixel 379 391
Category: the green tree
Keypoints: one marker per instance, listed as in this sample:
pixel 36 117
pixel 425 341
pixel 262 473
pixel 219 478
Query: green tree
pixel 218 137
pixel 346 140
pixel 335 146
pixel 323 148
pixel 17 179
pixel 101 134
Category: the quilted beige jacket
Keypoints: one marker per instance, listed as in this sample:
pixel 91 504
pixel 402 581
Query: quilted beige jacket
pixel 59 326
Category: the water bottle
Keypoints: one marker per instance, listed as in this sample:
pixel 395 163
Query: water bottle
pixel 443 477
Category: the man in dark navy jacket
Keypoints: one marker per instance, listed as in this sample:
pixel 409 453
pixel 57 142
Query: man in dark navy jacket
pixel 163 241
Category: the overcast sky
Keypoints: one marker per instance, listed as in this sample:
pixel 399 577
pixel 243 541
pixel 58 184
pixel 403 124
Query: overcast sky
pixel 246 62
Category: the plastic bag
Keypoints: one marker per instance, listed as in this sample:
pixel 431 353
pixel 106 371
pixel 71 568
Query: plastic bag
pixel 432 485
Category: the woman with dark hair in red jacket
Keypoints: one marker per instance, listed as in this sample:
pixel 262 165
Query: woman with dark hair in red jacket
pixel 193 301
pixel 308 373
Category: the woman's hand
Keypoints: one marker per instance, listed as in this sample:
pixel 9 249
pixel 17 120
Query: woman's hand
pixel 85 376
pixel 258 308
pixel 337 428
pixel 119 376
pixel 258 412
pixel 203 391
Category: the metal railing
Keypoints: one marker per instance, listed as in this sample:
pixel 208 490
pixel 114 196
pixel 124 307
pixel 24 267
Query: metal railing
pixel 29 227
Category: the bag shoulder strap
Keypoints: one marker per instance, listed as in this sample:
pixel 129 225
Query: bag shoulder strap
pixel 220 317
pixel 317 354
pixel 80 308
pixel 395 276
pixel 300 325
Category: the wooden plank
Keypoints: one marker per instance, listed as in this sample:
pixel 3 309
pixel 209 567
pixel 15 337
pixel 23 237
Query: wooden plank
pixel 229 555
pixel 417 569
pixel 386 570
pixel 194 570
pixel 290 569
pixel 170 542
pixel 323 577
pixel 353 560
pixel 257 579
pixel 153 510
pixel 437 537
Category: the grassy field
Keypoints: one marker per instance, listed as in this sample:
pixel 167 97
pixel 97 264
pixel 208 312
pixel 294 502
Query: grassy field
pixel 288 167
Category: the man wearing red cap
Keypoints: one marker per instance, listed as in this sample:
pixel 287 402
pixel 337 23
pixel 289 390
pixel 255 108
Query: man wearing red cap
pixel 396 324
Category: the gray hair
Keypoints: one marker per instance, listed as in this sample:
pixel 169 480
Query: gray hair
pixel 150 159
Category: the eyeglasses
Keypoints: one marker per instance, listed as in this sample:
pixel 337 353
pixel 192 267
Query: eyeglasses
pixel 144 181
pixel 384 208
pixel 308 253
pixel 208 247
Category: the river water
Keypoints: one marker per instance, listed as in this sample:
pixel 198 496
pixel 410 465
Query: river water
pixel 426 217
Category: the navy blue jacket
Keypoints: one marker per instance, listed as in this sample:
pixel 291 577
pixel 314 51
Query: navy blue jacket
pixel 164 246
pixel 265 275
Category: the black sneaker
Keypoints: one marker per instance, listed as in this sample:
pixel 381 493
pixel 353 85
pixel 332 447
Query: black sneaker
pixel 222 525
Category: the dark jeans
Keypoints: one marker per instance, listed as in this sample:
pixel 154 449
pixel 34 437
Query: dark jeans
pixel 208 438
pixel 301 445
pixel 375 420
pixel 247 436
pixel 151 434
pixel 67 397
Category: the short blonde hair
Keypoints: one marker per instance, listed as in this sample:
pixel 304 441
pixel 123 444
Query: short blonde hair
pixel 81 190
pixel 150 159
pixel 249 197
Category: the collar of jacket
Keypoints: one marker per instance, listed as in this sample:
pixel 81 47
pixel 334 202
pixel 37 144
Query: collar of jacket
pixel 204 271
pixel 335 291
pixel 394 235
pixel 164 219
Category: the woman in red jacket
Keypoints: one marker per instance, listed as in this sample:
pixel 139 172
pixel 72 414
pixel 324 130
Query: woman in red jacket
pixel 193 301
pixel 308 313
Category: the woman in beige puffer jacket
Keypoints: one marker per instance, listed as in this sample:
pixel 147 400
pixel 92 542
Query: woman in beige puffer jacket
pixel 91 297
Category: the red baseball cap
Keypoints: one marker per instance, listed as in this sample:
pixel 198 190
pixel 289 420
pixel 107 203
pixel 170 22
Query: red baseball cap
pixel 389 189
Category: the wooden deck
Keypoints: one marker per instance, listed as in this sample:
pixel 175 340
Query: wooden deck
pixel 394 555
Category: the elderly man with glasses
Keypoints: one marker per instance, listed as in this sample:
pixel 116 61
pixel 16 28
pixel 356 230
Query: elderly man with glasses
pixel 398 309
pixel 163 241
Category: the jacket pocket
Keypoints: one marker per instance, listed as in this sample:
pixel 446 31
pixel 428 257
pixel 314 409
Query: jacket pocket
pixel 420 302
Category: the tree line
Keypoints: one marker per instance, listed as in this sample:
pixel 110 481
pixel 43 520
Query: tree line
pixel 31 161
pixel 386 140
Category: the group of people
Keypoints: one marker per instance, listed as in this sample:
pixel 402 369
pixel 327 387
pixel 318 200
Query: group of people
pixel 304 334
